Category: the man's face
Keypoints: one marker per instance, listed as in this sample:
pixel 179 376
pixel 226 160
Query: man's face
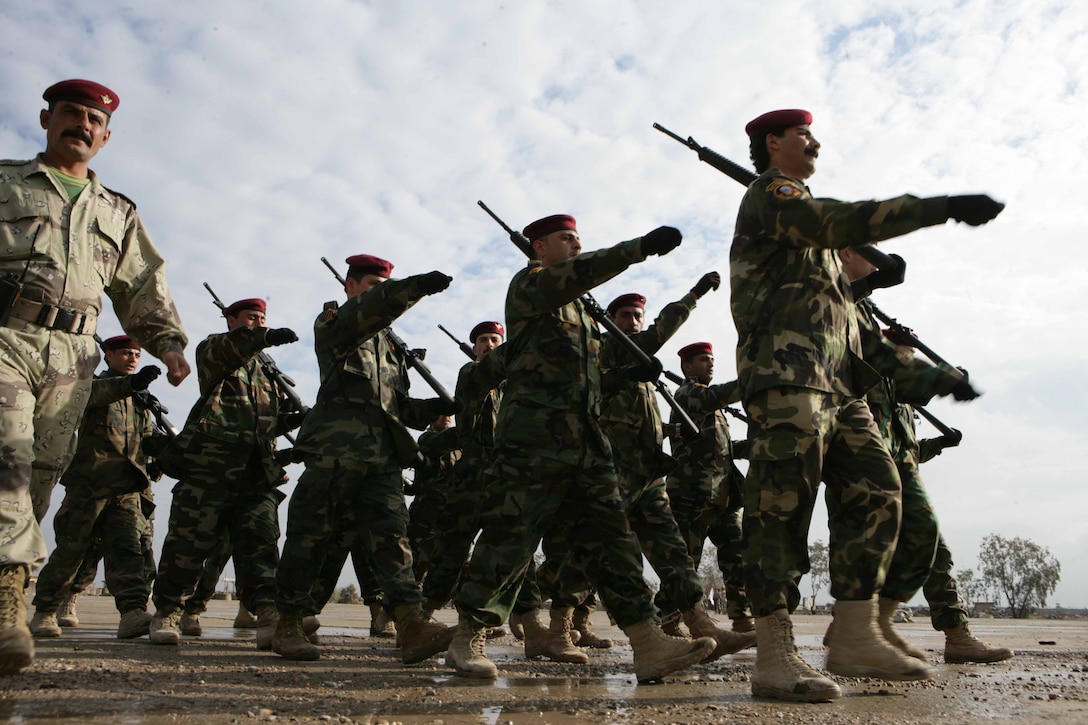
pixel 485 343
pixel 355 287
pixel 74 132
pixel 123 361
pixel 558 247
pixel 854 265
pixel 442 422
pixel 794 152
pixel 246 318
pixel 629 319
pixel 700 367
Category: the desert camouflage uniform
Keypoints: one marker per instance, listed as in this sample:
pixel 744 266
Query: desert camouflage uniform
pixel 103 499
pixel 225 461
pixel 552 461
pixel 705 487
pixel 76 250
pixel 356 443
pixel 801 374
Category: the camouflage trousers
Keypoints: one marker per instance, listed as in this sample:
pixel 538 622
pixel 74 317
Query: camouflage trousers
pixel 202 514
pixel 197 602
pixel 533 497
pixel 725 534
pixel 88 568
pixel 335 495
pixel 428 510
pixel 798 438
pixel 918 535
pixel 45 382
pixel 946 608
pixel 119 521
pixel 353 543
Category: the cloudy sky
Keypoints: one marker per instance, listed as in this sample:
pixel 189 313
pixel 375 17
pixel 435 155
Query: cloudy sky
pixel 258 137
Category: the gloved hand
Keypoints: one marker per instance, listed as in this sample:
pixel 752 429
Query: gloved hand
pixel 154 444
pixel 741 448
pixel 441 407
pixel 291 421
pixel 709 281
pixel 661 241
pixel 950 441
pixel 433 282
pixel 882 278
pixel 973 209
pixel 280 336
pixel 143 378
pixel 964 391
pixel 644 373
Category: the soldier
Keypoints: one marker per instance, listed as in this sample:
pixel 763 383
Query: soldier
pixel 705 488
pixel 801 379
pixel 355 444
pixel 64 238
pixel 227 469
pixel 429 490
pixel 553 461
pixel 102 498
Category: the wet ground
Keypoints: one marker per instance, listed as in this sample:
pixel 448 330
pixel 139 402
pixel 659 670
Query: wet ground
pixel 89 676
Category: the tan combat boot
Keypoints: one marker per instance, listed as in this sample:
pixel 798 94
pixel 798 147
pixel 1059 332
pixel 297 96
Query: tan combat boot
pixel 381 625
pixel 134 623
pixel 657 654
pixel 310 625
pixel 516 627
pixel 164 627
pixel 960 646
pixel 267 618
pixel 190 624
pixel 552 642
pixel 887 609
pixel 586 636
pixel 44 625
pixel 16 644
pixel 670 625
pixel 780 672
pixel 420 637
pixel 856 647
pixel 467 654
pixel 289 641
pixel 66 610
pixel 701 624
pixel 244 619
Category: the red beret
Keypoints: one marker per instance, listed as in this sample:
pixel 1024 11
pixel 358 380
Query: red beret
pixel 695 348
pixel 631 299
pixel 120 342
pixel 484 328
pixel 548 225
pixel 253 303
pixel 777 119
pixel 369 264
pixel 88 93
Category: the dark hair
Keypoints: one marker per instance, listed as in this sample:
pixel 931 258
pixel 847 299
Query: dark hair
pixel 757 149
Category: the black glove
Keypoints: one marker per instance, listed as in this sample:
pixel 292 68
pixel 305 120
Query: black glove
pixel 741 449
pixel 154 444
pixel 661 241
pixel 433 282
pixel 963 390
pixel 973 209
pixel 709 281
pixel 950 441
pixel 644 373
pixel 888 277
pixel 143 378
pixel 441 407
pixel 293 420
pixel 280 336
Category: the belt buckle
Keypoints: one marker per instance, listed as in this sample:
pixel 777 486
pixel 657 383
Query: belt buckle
pixel 65 319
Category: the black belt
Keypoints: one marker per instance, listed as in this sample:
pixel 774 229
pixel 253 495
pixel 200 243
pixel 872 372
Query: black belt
pixel 55 318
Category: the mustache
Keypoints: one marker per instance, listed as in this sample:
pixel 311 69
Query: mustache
pixel 76 133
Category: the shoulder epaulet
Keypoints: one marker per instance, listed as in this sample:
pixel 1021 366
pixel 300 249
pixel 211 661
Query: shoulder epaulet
pixel 117 193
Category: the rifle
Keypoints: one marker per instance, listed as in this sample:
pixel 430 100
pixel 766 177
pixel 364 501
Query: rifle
pixel 464 346
pixel 906 335
pixel 272 370
pixel 738 173
pixel 412 356
pixel 598 314
pixel 952 433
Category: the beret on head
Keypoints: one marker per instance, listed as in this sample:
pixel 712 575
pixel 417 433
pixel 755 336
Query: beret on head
pixel 120 342
pixel 548 225
pixel 777 119
pixel 88 93
pixel 369 264
pixel 253 303
pixel 695 348
pixel 631 299
pixel 486 327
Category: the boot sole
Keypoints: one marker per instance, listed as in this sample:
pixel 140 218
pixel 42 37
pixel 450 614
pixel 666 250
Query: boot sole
pixel 880 674
pixel 11 663
pixel 773 693
pixel 46 634
pixel 299 656
pixel 978 660
pixel 676 663
pixel 171 641
pixel 131 635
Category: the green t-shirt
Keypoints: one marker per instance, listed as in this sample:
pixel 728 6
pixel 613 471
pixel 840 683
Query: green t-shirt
pixel 72 184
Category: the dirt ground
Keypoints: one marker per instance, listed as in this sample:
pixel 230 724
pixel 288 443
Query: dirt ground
pixel 89 676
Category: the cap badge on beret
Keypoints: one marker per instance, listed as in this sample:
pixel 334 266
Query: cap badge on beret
pixel 82 91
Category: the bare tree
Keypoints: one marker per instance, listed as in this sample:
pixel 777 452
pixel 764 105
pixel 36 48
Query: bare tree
pixel 1023 571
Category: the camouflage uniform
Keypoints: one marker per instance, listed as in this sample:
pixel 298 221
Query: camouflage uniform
pixel 225 458
pixel 79 249
pixel 429 491
pixel 552 458
pixel 355 443
pixel 706 488
pixel 801 377
pixel 104 487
